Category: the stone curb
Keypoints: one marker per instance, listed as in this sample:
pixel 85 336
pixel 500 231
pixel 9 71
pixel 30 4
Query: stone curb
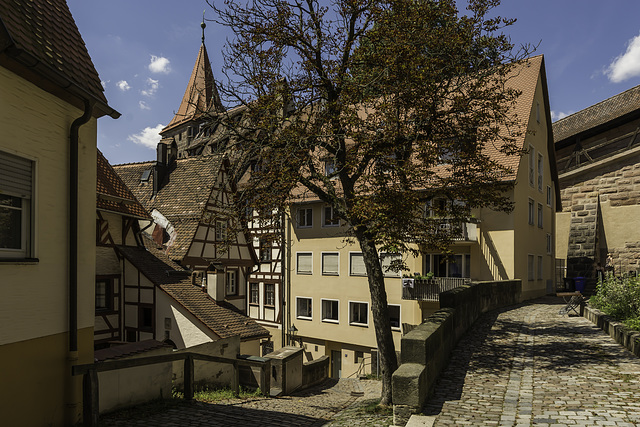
pixel 628 338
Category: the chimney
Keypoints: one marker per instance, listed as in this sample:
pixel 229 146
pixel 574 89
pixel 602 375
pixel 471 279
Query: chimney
pixel 160 171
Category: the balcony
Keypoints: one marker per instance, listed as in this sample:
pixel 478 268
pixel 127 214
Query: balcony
pixel 460 231
pixel 429 289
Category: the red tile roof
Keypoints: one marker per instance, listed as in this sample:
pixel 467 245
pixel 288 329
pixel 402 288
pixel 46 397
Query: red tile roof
pixel 44 34
pixel 113 195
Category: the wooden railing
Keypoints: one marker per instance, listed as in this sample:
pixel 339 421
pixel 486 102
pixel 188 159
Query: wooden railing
pixel 429 289
pixel 91 387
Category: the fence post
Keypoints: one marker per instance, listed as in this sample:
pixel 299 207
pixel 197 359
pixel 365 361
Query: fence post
pixel 265 378
pixel 235 382
pixel 188 377
pixel 90 398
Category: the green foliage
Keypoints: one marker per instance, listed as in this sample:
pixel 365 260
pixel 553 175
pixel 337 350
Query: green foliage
pixel 619 298
pixel 215 394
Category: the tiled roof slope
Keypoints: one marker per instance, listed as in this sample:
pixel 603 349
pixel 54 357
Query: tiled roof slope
pixel 113 195
pixel 183 196
pixel 128 349
pixel 598 114
pixel 222 321
pixel 46 30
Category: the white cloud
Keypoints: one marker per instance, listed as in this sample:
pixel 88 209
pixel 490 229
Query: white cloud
pixel 143 105
pixel 152 87
pixel 159 64
pixel 148 137
pixel 123 85
pixel 626 65
pixel 104 83
pixel 557 115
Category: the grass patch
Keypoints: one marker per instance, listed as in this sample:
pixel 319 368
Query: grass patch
pixel 374 407
pixel 216 394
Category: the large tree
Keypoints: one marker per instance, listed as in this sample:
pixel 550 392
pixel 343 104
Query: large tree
pixel 372 107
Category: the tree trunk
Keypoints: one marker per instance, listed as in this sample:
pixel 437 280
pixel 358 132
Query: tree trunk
pixel 387 359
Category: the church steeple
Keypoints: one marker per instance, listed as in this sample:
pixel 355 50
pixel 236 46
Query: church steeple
pixel 201 95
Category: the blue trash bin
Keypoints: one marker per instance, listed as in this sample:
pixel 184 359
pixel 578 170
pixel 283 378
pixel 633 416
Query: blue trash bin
pixel 580 283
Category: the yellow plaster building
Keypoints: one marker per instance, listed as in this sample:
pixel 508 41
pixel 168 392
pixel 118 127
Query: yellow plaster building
pixel 51 98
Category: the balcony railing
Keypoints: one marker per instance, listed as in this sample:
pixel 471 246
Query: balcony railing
pixel 460 231
pixel 429 289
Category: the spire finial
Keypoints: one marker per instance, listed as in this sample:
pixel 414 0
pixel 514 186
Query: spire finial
pixel 203 25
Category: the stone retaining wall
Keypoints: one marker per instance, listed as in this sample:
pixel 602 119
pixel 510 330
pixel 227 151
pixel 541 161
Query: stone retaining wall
pixel 629 338
pixel 315 371
pixel 426 349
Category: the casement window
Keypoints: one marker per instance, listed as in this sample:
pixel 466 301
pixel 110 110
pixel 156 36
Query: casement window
pixel 540 217
pixel 386 260
pixel 232 282
pixel 356 264
pixel 104 294
pixel 531 211
pixel 303 308
pixel 549 196
pixel 221 231
pixel 329 219
pixel 394 316
pixel 540 172
pixel 330 310
pixel 532 165
pixel 549 244
pixel 330 265
pixel 305 217
pixel 265 250
pixel 531 272
pixel 304 261
pixel 457 265
pixel 270 294
pixel 16 206
pixel 254 293
pixel 358 313
pixel 540 268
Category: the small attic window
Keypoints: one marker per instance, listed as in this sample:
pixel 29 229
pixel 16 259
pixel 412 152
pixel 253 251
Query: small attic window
pixel 145 175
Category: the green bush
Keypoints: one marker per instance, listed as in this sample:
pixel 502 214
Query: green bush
pixel 619 298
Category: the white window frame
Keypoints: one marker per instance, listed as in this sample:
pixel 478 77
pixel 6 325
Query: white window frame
pixel 330 273
pixel 304 272
pixel 266 300
pixel 532 165
pixel 389 273
pixel 540 216
pixel 302 213
pixel 351 273
pixel 532 205
pixel 399 327
pixel 332 221
pixel 326 319
pixel 353 323
pixel 330 169
pixel 540 172
pixel 531 266
pixel 310 300
pixel 549 196
pixel 231 277
pixel 17 181
pixel 251 294
pixel 221 230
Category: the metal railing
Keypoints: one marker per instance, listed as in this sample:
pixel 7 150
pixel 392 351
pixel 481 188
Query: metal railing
pixel 91 387
pixel 429 289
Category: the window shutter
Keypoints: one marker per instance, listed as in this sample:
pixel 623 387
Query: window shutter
pixel 304 263
pixel 357 265
pixel 15 176
pixel 330 263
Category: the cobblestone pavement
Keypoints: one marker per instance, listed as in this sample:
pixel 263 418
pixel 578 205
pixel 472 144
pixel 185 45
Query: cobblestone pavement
pixel 528 365
pixel 335 403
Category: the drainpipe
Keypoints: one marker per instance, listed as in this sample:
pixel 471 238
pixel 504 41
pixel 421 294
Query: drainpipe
pixel 284 296
pixel 73 223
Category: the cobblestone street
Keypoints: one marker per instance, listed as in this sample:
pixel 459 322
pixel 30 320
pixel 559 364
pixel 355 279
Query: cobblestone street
pixel 528 365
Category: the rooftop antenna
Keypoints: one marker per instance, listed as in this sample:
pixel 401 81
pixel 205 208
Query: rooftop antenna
pixel 203 25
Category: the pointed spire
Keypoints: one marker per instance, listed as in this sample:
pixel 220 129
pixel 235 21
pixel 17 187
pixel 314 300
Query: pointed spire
pixel 201 95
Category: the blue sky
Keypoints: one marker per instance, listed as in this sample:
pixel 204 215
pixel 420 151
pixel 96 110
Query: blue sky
pixel 144 51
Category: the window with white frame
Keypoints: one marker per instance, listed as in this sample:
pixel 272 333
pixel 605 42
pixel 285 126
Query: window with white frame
pixel 232 282
pixel 394 316
pixel 329 218
pixel 221 231
pixel 549 196
pixel 330 310
pixel 305 217
pixel 532 165
pixel 254 293
pixel 540 267
pixel 16 192
pixel 540 171
pixel 531 272
pixel 330 263
pixel 270 294
pixel 456 265
pixel 356 264
pixel 303 308
pixel 358 313
pixel 540 218
pixel 386 261
pixel 304 262
pixel 265 250
pixel 531 211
